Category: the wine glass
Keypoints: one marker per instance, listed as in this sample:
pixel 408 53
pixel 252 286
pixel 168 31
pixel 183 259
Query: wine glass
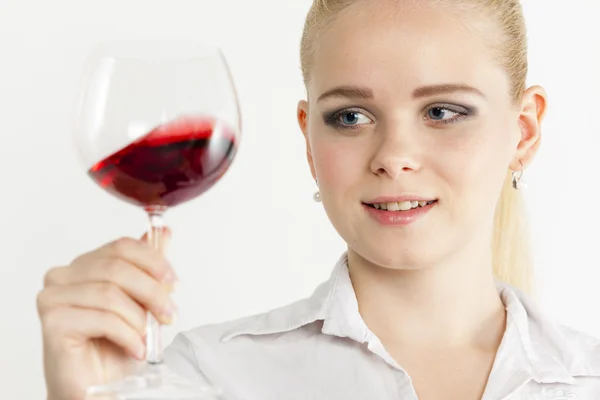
pixel 157 124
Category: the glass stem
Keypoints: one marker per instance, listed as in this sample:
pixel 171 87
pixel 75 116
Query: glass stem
pixel 154 348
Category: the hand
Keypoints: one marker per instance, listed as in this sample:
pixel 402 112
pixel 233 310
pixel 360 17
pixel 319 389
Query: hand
pixel 93 314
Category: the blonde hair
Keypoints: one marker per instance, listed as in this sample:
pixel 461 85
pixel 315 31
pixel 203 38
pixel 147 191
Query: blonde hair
pixel 511 258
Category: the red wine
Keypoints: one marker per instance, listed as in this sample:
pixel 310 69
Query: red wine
pixel 173 163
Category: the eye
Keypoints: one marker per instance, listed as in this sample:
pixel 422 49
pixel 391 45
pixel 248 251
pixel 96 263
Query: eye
pixel 352 118
pixel 447 114
pixel 347 118
pixel 440 114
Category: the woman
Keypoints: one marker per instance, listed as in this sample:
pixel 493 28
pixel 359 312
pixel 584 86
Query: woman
pixel 418 127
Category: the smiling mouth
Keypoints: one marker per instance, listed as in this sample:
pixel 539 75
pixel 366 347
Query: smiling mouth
pixel 401 206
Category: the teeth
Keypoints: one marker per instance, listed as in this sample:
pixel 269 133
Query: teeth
pixel 405 205
pixel 401 206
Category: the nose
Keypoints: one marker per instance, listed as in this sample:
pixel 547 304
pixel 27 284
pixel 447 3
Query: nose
pixel 396 152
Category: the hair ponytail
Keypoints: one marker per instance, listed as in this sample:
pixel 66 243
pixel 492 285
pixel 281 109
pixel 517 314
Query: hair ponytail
pixel 511 252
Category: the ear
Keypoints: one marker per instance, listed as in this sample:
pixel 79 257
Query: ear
pixel 302 114
pixel 531 117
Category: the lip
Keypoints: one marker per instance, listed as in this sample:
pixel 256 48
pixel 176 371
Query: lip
pixel 399 199
pixel 398 218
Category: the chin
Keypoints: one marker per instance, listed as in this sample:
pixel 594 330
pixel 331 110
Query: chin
pixel 402 257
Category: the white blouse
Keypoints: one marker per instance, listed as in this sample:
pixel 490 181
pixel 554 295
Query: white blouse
pixel 319 348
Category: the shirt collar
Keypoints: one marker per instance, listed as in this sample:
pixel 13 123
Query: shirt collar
pixel 325 304
pixel 522 328
pixel 557 353
pixel 554 353
pixel 341 316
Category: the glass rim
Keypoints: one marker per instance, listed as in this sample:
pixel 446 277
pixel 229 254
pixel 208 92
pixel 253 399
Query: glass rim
pixel 147 49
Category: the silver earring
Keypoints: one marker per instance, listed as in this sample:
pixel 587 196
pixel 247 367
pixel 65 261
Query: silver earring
pixel 317 195
pixel 518 182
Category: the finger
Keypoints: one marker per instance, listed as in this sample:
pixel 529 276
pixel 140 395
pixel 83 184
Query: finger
pixel 140 253
pixel 98 296
pixel 55 276
pixel 64 324
pixel 131 250
pixel 141 287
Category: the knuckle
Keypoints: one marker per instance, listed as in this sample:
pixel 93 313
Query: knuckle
pixel 54 321
pixel 80 259
pixel 115 269
pixel 41 301
pixel 51 276
pixel 110 294
pixel 122 245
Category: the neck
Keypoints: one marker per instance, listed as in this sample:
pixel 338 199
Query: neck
pixel 454 305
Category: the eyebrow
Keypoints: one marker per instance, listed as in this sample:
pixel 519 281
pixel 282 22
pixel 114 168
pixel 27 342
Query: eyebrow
pixel 351 92
pixel 432 90
pixel 356 92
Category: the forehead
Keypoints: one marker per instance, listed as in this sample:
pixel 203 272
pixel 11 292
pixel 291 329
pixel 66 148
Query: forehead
pixel 380 43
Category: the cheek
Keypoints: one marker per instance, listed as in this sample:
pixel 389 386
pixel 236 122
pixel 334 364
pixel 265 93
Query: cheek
pixel 337 161
pixel 330 161
pixel 479 166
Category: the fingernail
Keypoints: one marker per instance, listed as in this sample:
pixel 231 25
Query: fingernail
pixel 167 235
pixel 169 312
pixel 171 287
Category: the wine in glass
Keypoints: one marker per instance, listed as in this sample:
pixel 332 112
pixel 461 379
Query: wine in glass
pixel 158 124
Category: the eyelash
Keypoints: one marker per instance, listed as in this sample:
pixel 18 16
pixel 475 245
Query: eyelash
pixel 461 111
pixel 332 119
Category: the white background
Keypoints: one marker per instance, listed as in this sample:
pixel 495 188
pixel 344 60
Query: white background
pixel 256 241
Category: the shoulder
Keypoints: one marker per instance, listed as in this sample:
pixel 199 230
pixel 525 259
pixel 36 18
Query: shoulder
pixel 579 351
pixel 553 342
